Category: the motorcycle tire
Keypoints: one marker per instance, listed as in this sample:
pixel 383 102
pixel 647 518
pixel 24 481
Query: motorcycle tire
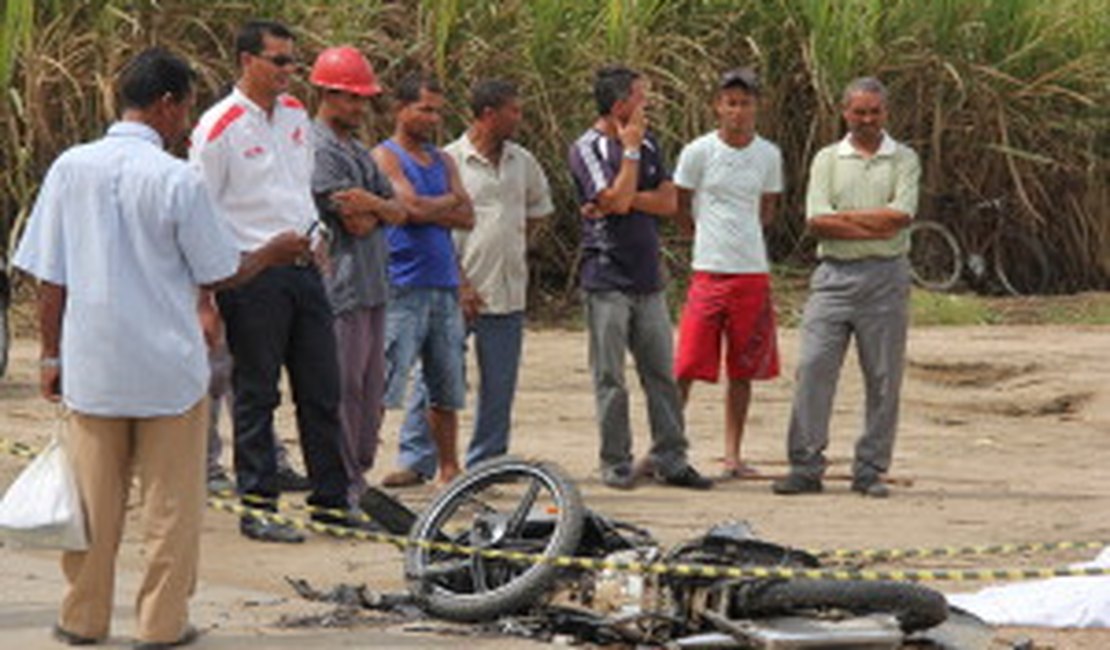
pixel 915 607
pixel 521 586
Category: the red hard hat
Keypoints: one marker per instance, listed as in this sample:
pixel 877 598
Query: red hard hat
pixel 344 68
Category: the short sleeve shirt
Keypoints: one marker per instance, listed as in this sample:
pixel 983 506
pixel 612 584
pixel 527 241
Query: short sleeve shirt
pixel 359 275
pixel 620 252
pixel 130 232
pixel 257 166
pixel 840 178
pixel 505 196
pixel 728 184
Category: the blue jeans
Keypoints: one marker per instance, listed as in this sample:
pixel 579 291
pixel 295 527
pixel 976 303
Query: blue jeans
pixel 498 339
pixel 425 325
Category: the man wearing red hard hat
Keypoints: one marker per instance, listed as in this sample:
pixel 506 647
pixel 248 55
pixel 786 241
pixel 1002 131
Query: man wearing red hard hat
pixel 354 199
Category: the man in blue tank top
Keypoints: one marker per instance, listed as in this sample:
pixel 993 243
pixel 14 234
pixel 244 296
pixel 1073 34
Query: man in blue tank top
pixel 423 320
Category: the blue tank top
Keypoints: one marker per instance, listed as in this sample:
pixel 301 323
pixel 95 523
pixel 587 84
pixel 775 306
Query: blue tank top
pixel 422 255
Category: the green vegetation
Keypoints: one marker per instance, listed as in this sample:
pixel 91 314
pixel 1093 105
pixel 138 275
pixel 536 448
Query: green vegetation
pixel 928 308
pixel 1001 97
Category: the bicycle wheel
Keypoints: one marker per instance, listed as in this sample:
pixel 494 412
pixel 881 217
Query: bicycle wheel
pixel 935 258
pixel 5 339
pixel 504 504
pixel 5 334
pixel 1021 264
pixel 915 607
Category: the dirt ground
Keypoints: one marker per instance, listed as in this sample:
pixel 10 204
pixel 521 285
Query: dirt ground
pixel 1003 434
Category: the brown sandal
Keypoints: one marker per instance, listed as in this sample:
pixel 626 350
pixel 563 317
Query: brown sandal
pixel 403 478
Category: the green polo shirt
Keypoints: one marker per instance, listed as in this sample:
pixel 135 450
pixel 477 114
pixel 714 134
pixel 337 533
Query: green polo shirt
pixel 840 178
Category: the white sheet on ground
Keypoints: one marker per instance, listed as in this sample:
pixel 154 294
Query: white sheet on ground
pixel 1082 601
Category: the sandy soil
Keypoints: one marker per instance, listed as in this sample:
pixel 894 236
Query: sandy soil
pixel 1003 433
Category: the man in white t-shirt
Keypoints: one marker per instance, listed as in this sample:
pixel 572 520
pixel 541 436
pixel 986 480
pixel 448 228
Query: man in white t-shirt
pixel 729 182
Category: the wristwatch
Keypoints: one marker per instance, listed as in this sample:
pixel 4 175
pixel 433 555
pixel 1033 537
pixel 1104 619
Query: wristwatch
pixel 631 154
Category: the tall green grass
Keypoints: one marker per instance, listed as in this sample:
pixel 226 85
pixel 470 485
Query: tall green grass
pixel 1001 97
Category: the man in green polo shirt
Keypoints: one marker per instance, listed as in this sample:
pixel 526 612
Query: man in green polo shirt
pixel 861 197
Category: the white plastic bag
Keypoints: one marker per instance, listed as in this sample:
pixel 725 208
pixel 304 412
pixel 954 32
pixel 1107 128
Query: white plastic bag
pixel 42 508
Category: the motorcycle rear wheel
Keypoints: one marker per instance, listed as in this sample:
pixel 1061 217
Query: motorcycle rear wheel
pixel 916 607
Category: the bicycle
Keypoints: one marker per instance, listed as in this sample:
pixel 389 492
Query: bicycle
pixel 984 249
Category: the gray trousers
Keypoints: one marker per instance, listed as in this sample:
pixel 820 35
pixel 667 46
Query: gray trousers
pixel 867 300
pixel 220 395
pixel 640 323
pixel 360 338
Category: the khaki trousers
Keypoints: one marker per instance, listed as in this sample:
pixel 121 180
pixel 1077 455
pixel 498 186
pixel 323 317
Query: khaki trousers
pixel 168 455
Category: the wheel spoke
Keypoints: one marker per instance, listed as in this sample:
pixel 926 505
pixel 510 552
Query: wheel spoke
pixel 520 513
pixel 478 574
pixel 473 500
pixel 443 569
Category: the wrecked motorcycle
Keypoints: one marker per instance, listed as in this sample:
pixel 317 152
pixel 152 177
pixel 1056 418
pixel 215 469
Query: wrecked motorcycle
pixel 497 542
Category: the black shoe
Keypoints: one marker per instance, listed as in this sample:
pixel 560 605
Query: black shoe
pixel 353 520
pixel 188 636
pixel 288 480
pixel 688 477
pixel 62 635
pixel 871 487
pixel 797 484
pixel 618 477
pixel 269 531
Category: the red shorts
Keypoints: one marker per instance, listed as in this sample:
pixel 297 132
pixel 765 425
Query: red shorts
pixel 737 307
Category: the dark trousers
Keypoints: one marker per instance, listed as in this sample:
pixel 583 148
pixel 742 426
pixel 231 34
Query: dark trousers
pixel 282 317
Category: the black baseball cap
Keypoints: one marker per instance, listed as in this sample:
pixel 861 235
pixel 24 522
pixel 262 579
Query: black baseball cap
pixel 745 78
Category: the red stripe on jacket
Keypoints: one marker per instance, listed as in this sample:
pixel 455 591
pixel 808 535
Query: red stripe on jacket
pixel 290 101
pixel 233 113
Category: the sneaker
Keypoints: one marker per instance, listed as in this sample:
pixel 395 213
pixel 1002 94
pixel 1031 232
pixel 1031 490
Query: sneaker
pixel 219 482
pixel 63 635
pixel 797 484
pixel 688 477
pixel 269 531
pixel 190 635
pixel 873 488
pixel 618 477
pixel 289 480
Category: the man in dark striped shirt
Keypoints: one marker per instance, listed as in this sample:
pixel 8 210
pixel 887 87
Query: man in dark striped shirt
pixel 624 188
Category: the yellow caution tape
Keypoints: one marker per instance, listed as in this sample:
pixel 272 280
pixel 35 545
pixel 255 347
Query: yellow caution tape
pixel 18 449
pixel 221 502
pixel 659 568
pixel 956 551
